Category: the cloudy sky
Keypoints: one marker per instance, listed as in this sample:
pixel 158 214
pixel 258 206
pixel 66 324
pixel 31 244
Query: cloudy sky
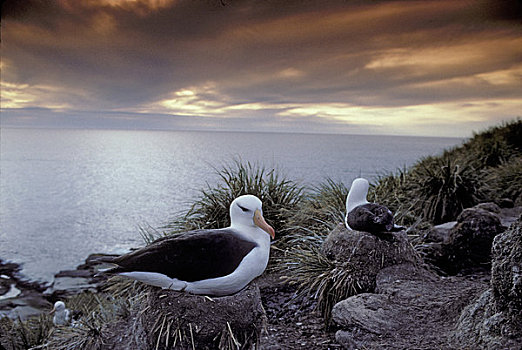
pixel 435 68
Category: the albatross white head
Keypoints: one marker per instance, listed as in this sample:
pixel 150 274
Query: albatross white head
pixel 247 211
pixel 356 195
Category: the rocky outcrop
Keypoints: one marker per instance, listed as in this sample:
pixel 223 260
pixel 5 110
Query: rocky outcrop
pixel 494 320
pixel 467 244
pixel 411 308
pixel 367 253
pixel 19 298
pixel 506 270
pixel 168 319
pixel 83 278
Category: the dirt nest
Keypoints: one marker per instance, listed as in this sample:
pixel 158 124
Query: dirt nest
pixel 176 320
pixel 367 254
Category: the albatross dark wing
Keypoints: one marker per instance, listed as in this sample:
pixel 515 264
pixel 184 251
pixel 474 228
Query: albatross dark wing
pixel 192 256
pixel 371 218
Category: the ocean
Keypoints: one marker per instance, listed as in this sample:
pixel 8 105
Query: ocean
pixel 67 193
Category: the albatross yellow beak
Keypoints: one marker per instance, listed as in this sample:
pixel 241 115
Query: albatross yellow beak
pixel 52 311
pixel 259 220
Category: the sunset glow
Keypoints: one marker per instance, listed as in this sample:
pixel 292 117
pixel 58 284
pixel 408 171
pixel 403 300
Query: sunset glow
pixel 437 68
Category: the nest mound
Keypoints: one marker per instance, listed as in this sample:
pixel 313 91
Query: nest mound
pixel 174 320
pixel 367 253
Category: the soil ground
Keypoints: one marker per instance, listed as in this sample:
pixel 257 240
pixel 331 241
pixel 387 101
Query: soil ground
pixel 293 323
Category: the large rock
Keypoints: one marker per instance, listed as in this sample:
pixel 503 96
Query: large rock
pixel 480 326
pixel 169 319
pixel 411 308
pixel 506 270
pixel 471 239
pixel 467 245
pixel 367 253
pixel 438 233
pixel 494 320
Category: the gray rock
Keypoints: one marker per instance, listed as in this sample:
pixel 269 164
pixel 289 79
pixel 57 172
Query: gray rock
pixel 494 320
pixel 480 326
pixel 506 203
pixel 367 312
pixel 412 308
pixel 467 245
pixel 489 206
pixel 66 286
pixel 439 233
pixel 510 215
pixel 470 241
pixel 346 339
pixel 506 270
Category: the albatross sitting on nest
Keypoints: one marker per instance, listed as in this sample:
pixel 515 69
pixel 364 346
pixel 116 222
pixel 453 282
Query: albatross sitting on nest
pixel 362 215
pixel 211 262
pixel 62 315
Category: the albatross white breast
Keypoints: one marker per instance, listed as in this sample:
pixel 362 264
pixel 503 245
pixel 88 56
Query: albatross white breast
pixel 62 315
pixel 362 215
pixel 211 262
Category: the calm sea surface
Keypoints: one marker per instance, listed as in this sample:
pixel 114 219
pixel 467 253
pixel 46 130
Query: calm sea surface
pixel 67 193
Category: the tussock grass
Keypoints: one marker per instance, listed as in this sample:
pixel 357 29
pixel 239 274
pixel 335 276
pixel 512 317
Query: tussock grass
pixel 504 181
pixel 494 146
pixel 437 189
pixel 33 333
pixel 321 209
pixel 434 190
pixel 444 186
pixel 318 277
pixel 97 310
pixel 278 194
pixel 94 309
pixel 392 190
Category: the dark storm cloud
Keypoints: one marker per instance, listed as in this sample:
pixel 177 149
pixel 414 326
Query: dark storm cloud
pixel 116 54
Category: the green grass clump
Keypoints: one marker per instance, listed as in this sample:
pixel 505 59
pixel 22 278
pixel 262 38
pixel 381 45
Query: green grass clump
pixel 321 209
pixel 88 332
pixel 437 189
pixel 279 195
pixel 25 334
pixel 504 181
pixel 434 190
pixel 392 190
pixel 318 277
pixel 494 146
pixel 443 187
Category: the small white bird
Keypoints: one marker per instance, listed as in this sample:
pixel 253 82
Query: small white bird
pixel 62 315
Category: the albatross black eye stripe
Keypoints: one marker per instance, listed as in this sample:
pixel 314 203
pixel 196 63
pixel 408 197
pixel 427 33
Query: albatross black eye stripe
pixel 243 208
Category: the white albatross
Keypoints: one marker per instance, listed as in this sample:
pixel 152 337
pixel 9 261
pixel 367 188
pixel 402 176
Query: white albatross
pixel 210 262
pixel 62 315
pixel 362 215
